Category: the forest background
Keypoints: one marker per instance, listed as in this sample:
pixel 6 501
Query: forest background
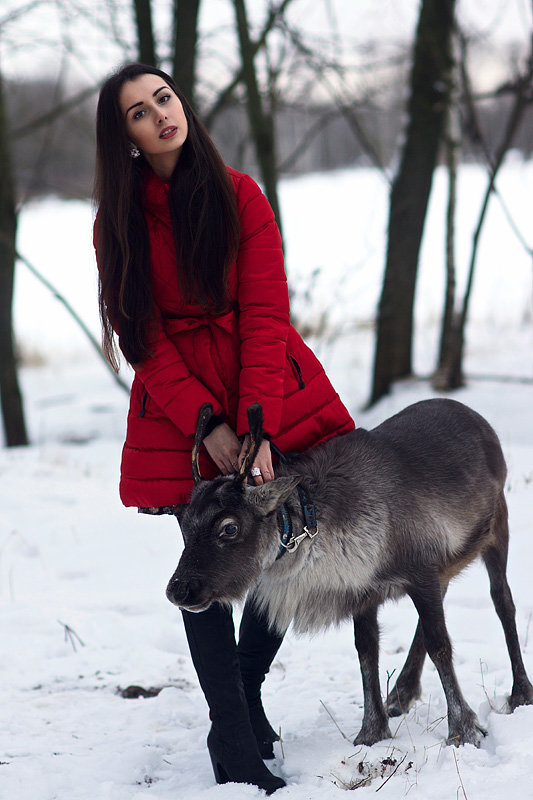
pixel 284 87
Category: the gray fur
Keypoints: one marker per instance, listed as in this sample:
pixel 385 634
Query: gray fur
pixel 401 509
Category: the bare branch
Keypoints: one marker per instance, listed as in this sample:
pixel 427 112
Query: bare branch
pixel 342 97
pixel 53 113
pixel 6 241
pixel 275 13
pixel 261 123
pixel 79 10
pixel 522 98
pixel 39 160
pixel 323 121
pixel 19 12
pixel 521 85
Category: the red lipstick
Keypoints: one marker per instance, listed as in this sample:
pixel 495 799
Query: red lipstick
pixel 168 132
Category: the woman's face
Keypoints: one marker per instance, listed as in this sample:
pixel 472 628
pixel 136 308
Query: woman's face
pixel 154 119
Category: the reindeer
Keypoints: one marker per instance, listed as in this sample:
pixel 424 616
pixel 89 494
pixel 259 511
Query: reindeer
pixel 399 509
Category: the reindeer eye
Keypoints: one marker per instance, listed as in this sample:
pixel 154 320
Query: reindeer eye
pixel 229 531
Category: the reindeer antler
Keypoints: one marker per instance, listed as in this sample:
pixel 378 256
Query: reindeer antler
pixel 204 416
pixel 255 425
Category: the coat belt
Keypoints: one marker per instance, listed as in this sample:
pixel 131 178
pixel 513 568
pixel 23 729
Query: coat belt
pixel 226 322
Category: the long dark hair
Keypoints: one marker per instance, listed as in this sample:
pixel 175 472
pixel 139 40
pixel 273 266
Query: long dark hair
pixel 204 220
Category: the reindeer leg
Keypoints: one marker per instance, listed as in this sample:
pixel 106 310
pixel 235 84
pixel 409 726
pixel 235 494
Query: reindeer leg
pixel 375 725
pixel 495 558
pixel 463 725
pixel 407 688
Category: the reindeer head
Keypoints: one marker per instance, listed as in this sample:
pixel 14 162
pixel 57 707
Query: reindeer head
pixel 229 528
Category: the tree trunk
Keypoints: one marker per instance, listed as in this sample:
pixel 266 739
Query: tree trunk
pixel 185 46
pixel 451 373
pixel 145 32
pixel 261 124
pixel 447 366
pixel 226 94
pixel 11 398
pixel 410 192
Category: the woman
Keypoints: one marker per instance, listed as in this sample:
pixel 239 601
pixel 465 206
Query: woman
pixel 192 281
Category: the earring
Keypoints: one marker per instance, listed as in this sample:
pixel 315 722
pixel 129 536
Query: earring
pixel 134 152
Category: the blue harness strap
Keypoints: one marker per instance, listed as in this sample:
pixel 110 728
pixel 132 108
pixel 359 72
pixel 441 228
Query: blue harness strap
pixel 284 518
pixel 285 529
pixel 309 510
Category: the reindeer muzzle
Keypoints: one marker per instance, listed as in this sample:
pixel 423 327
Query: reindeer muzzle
pixel 186 594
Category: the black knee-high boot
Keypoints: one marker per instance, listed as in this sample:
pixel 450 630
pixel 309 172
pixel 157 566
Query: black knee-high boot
pixel 257 648
pixel 231 741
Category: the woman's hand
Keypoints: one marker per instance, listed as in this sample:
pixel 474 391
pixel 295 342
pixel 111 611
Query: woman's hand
pixel 224 448
pixel 263 461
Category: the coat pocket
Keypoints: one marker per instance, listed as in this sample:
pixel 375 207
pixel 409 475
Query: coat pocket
pixel 297 371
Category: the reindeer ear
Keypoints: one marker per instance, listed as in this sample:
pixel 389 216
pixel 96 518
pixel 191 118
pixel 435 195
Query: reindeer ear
pixel 270 496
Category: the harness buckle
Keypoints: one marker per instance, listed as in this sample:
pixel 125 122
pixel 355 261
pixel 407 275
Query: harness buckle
pixel 294 543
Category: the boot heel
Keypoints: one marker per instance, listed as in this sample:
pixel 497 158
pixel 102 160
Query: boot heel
pixel 247 767
pixel 218 769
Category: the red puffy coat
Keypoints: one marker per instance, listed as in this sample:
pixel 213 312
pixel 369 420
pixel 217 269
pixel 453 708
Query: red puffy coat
pixel 249 354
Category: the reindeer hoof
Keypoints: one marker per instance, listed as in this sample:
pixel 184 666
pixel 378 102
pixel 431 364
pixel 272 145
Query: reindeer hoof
pixel 468 731
pixel 370 736
pixel 521 696
pixel 400 701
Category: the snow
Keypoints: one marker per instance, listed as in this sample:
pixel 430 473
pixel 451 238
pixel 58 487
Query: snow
pixel 71 555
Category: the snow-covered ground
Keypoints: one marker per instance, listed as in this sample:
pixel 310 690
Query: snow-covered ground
pixel 82 579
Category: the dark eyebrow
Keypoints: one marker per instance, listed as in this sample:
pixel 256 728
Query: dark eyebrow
pixel 141 102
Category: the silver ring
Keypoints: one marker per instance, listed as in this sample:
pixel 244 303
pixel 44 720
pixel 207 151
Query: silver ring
pixel 255 472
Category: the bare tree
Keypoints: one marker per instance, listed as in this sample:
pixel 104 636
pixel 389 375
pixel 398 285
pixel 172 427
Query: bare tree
pixel 145 32
pixel 322 69
pixel 452 143
pixel 226 94
pixel 11 398
pixel 410 192
pixel 261 123
pixel 450 373
pixel 185 46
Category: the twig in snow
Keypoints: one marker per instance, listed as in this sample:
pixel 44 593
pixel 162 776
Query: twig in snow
pixel 415 781
pixel 396 768
pixel 403 721
pixel 442 746
pixel 404 711
pixel 344 784
pixel 389 676
pixel 460 779
pixel 336 724
pixel 281 742
pixel 400 723
pixel 390 752
pixel 71 635
pixel 434 724
pixel 489 701
pixel 491 704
